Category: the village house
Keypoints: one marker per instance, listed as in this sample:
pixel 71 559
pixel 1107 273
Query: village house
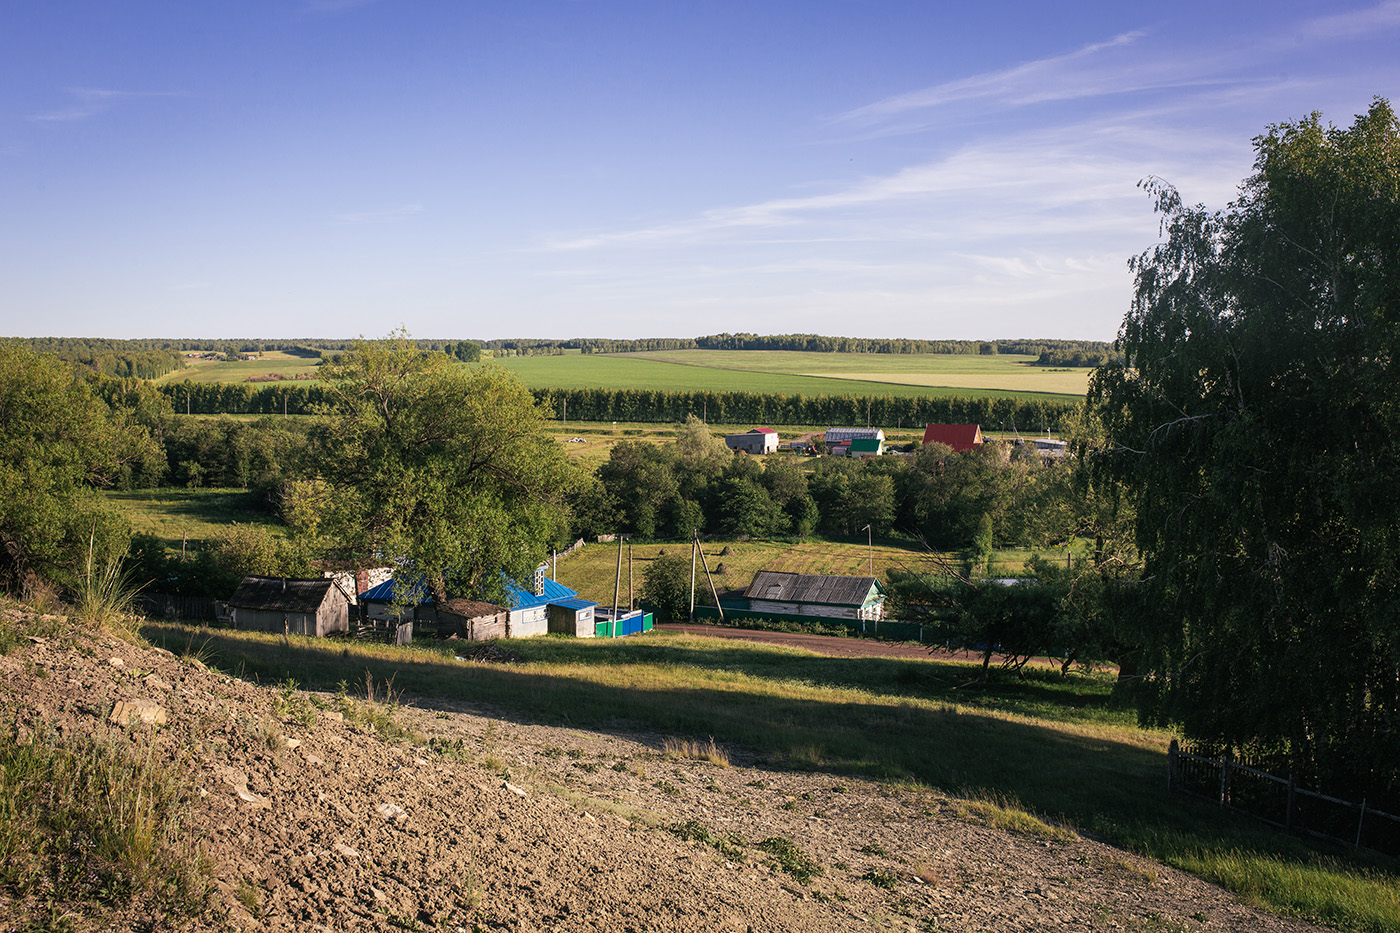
pixel 290 607
pixel 804 597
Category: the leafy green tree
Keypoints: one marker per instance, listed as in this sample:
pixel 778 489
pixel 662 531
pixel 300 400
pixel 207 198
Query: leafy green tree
pixel 1253 422
pixel 58 442
pixel 641 479
pixel 446 469
pixel 666 587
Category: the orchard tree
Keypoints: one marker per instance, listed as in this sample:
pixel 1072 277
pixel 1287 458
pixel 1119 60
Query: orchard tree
pixel 1253 420
pixel 442 468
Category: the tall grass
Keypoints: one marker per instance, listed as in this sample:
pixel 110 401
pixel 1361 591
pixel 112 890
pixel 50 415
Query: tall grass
pixel 1054 747
pixel 92 820
pixel 106 592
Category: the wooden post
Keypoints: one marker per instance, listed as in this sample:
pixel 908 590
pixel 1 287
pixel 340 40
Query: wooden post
pixel 713 591
pixel 631 603
pixel 1173 762
pixel 1291 815
pixel 1360 821
pixel 1225 778
pixel 617 582
pixel 694 543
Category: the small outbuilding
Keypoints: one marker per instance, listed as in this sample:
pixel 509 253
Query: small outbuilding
pixel 291 607
pixel 754 441
pixel 572 616
pixel 472 619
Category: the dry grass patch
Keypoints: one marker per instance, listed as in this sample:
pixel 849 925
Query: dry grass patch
pixel 700 751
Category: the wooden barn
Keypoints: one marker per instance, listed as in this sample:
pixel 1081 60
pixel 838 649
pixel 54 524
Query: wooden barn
pixel 292 607
pixel 812 596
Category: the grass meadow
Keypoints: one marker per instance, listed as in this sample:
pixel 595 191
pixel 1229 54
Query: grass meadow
pixel 174 514
pixel 270 363
pixel 763 371
pixel 593 570
pixel 1056 747
pixel 791 373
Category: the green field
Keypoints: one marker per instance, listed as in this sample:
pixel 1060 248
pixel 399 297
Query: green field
pixel 271 363
pixel 194 515
pixel 775 372
pixel 790 373
pixel 1056 746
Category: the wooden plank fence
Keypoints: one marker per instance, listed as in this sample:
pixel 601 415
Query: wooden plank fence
pixel 170 606
pixel 1280 802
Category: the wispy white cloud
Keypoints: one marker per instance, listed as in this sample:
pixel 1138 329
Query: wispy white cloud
pixel 89 102
pixel 389 215
pixel 1354 24
pixel 1020 83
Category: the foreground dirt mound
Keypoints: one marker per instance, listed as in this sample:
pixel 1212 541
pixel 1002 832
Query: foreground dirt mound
pixel 313 820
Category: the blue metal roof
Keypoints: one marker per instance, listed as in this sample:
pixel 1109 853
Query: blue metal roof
pixel 574 603
pixel 388 592
pixel 524 599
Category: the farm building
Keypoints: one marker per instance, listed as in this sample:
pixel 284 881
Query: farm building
pixel 472 619
pixel 960 437
pixel 292 607
pixel 572 616
pixel 807 596
pixel 529 611
pixel 867 447
pixel 836 436
pixel 755 441
pixel 393 602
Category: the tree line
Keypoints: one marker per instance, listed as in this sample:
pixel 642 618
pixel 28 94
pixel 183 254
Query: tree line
pixel 942 498
pixel 888 411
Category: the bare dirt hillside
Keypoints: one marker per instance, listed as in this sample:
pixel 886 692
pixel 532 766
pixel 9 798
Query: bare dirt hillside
pixel 312 820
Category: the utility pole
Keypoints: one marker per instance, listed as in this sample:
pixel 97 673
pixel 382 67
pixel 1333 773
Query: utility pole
pixel 870 547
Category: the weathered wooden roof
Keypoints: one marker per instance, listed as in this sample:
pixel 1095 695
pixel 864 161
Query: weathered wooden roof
pixel 279 594
pixel 472 608
pixel 812 588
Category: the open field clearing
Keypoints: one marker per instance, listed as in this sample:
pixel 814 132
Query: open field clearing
pixel 1051 755
pixel 1058 381
pixel 788 373
pixel 173 514
pixel 270 363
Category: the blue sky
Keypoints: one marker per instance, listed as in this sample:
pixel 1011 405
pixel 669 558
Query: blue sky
pixel 557 168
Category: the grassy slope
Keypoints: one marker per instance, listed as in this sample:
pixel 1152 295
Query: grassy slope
pixel 1056 746
pixel 593 570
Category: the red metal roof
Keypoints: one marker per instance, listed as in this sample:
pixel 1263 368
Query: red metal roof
pixel 960 437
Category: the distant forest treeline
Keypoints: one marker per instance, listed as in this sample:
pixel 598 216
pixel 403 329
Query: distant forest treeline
pixel 123 358
pixel 655 406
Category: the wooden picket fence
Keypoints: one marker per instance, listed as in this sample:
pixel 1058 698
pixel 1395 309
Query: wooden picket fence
pixel 1280 802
